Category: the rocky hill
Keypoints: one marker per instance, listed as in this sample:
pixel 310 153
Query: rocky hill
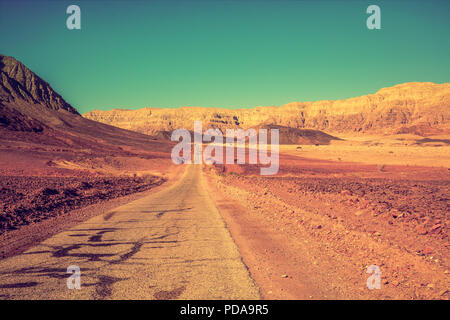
pixel 28 103
pixel 17 82
pixel 32 112
pixel 416 107
pixel 289 135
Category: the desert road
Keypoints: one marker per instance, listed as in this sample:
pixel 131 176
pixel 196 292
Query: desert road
pixel 172 244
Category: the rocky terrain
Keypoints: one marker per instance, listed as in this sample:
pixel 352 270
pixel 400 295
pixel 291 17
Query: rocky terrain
pixel 28 200
pixel 344 216
pixel 421 108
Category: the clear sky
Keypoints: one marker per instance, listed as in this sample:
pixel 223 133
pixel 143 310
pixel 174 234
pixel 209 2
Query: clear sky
pixel 133 54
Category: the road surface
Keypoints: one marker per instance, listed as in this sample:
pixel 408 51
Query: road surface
pixel 172 244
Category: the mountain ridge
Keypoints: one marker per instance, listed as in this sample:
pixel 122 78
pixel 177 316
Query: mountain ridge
pixel 33 114
pixel 422 105
pixel 20 83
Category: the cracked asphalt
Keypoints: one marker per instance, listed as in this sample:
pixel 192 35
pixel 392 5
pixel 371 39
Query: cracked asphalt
pixel 172 244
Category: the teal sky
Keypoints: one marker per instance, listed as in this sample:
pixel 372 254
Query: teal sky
pixel 133 54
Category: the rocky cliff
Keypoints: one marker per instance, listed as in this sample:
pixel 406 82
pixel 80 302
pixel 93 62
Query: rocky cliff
pixel 32 113
pixel 28 103
pixel 17 82
pixel 415 107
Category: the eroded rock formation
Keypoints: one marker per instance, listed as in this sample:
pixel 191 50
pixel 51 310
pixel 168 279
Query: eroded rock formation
pixel 416 107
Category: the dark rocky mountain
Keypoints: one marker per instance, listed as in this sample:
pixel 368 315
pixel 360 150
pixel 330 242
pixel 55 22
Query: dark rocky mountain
pixel 20 83
pixel 32 112
pixel 289 135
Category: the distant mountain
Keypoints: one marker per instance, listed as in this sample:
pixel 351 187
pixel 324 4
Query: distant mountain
pixel 300 136
pixel 416 107
pixel 32 112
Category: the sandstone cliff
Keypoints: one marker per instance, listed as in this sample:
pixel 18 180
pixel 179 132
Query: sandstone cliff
pixel 421 108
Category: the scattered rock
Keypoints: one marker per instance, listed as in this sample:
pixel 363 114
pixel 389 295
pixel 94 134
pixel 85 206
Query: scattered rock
pixel 421 230
pixel 436 228
pixel 395 283
pixel 346 193
pixel 360 212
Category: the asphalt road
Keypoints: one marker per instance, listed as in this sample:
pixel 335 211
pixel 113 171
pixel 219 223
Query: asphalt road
pixel 172 244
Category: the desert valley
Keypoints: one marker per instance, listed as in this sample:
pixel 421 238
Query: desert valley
pixel 363 181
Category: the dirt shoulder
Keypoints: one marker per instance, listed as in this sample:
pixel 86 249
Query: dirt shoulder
pixel 278 269
pixel 307 236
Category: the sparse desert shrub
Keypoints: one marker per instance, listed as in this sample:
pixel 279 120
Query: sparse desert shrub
pixel 69 192
pixel 49 192
pixel 86 185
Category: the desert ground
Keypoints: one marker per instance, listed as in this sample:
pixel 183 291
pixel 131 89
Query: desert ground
pixel 309 232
